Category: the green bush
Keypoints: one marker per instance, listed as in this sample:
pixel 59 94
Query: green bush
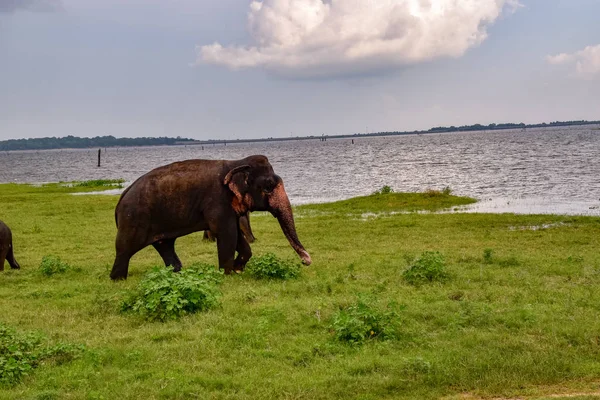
pixel 21 353
pixel 269 266
pixel 163 294
pixel 429 267
pixel 51 265
pixel 362 321
pixel 384 190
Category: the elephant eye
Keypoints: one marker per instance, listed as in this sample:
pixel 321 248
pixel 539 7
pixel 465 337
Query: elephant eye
pixel 269 185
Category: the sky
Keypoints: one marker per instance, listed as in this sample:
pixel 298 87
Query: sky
pixel 233 69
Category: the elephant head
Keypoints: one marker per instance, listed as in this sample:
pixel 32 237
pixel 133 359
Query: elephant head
pixel 256 187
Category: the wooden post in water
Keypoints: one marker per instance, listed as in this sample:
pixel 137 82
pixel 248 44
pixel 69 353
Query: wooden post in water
pixel 99 153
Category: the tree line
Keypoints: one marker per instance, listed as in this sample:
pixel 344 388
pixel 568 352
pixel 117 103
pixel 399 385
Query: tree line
pixel 479 127
pixel 74 142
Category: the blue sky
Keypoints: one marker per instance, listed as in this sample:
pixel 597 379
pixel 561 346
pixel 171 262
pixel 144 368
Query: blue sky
pixel 238 69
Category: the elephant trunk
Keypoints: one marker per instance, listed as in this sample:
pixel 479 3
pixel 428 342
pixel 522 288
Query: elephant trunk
pixel 281 208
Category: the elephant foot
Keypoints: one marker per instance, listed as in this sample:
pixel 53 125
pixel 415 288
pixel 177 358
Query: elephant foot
pixel 116 278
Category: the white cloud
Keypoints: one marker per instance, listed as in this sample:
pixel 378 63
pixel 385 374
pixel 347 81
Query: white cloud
pixel 335 37
pixel 586 61
pixel 30 5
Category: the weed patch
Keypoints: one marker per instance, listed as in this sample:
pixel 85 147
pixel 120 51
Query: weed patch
pixel 52 265
pixel 269 266
pixel 21 353
pixel 362 321
pixel 429 267
pixel 163 294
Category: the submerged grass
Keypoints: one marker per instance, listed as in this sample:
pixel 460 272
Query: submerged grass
pixel 519 318
pixel 95 183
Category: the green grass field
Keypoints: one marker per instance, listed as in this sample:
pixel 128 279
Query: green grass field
pixel 518 316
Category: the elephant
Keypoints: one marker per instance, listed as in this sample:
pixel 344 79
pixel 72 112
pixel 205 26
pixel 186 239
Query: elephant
pixel 6 248
pixel 194 195
pixel 244 227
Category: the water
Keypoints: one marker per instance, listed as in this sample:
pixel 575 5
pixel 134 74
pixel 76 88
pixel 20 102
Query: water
pixel 551 170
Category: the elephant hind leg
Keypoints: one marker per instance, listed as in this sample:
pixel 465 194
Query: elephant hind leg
pixel 126 246
pixel 121 266
pixel 166 249
pixel 10 257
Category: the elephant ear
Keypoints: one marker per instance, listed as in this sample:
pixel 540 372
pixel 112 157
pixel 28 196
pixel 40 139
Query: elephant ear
pixel 237 181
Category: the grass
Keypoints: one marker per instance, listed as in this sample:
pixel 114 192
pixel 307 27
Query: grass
pixel 390 202
pixel 518 318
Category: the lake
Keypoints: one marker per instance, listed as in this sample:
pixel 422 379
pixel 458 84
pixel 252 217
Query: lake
pixel 549 170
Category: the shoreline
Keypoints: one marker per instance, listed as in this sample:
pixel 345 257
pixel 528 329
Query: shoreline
pixel 500 205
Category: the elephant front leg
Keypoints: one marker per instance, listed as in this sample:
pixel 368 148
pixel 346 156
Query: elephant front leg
pixel 244 253
pixel 226 245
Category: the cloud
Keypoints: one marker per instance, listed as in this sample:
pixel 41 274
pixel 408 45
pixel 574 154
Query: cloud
pixel 319 38
pixel 586 61
pixel 8 6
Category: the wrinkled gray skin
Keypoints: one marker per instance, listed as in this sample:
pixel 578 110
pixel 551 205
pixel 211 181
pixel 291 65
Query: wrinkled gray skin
pixel 6 248
pixel 196 195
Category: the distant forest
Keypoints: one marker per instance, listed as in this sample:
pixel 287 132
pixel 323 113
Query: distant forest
pixel 73 142
pixel 478 127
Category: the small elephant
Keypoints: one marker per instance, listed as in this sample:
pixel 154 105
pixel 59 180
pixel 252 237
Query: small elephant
pixel 6 248
pixel 245 229
pixel 198 195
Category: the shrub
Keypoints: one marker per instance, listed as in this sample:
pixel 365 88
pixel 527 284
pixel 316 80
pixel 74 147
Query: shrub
pixel 384 190
pixel 429 267
pixel 163 294
pixel 51 265
pixel 269 266
pixel 362 321
pixel 21 353
pixel 438 193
